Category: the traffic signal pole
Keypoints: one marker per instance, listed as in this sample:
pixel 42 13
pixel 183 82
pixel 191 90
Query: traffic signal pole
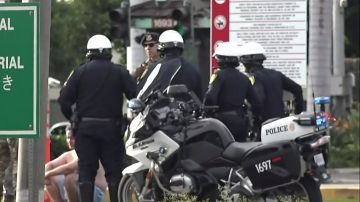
pixel 31 169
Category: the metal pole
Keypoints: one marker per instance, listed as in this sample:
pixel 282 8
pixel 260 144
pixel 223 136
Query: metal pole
pixel 339 104
pixel 319 75
pixel 192 29
pixel 30 182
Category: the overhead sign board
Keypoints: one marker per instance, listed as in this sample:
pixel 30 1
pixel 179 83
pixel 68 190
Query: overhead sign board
pixel 19 70
pixel 279 26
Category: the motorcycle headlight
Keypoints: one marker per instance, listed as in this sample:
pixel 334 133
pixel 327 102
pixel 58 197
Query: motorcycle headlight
pixel 306 121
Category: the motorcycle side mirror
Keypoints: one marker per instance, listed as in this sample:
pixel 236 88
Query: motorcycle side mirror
pixel 136 105
pixel 174 90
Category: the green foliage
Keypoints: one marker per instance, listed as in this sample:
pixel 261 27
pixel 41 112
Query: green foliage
pixel 58 145
pixel 352 30
pixel 345 146
pixel 180 198
pixel 73 23
pixel 224 196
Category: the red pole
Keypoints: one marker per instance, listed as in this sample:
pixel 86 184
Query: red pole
pixel 47 143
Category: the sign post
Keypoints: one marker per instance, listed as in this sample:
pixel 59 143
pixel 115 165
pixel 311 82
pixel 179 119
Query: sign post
pixel 19 70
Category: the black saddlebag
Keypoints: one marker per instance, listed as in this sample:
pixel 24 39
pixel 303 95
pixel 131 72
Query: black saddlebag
pixel 274 164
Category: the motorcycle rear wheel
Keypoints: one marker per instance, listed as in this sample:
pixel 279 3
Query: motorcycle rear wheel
pixel 306 190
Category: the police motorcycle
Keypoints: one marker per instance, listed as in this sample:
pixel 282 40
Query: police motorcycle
pixel 305 128
pixel 181 152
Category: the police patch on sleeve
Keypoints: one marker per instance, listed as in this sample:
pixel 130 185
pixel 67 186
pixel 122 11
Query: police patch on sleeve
pixel 252 79
pixel 213 78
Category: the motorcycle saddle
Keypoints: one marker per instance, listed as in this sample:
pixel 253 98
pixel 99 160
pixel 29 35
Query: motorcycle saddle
pixel 237 150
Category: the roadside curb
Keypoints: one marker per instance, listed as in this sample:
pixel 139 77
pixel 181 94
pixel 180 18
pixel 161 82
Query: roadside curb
pixel 340 191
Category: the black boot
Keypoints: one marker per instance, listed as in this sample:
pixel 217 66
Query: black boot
pixel 86 191
pixel 113 191
pixel 9 198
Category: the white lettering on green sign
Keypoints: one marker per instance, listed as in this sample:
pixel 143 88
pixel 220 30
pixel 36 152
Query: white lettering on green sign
pixel 7 83
pixel 5 24
pixel 10 62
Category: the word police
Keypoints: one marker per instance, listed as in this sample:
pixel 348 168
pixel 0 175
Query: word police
pixel 278 129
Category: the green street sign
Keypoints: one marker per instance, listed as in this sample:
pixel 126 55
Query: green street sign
pixel 19 70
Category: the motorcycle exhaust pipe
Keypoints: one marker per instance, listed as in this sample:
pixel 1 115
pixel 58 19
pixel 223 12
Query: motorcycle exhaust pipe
pixel 321 141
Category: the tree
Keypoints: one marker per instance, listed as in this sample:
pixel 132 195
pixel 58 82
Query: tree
pixel 73 23
pixel 352 30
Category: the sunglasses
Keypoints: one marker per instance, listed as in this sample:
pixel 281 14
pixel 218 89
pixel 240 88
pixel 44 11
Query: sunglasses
pixel 149 44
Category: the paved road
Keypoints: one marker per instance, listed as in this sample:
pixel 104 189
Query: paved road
pixel 345 176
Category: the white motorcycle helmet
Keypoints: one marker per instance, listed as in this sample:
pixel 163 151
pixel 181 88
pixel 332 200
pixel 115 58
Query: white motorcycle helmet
pixel 227 52
pixel 98 45
pixel 252 52
pixel 170 39
pixel 227 49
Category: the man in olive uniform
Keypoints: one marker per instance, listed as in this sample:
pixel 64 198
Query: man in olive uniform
pixel 150 42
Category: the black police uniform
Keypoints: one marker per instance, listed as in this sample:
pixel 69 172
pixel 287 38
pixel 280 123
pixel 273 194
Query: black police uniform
pixel 228 89
pixel 175 70
pixel 97 89
pixel 270 85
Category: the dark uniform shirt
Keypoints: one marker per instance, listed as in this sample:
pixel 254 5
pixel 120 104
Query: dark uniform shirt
pixel 228 89
pixel 269 85
pixel 175 70
pixel 97 88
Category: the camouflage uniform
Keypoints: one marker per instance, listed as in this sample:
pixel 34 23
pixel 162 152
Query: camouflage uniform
pixel 8 167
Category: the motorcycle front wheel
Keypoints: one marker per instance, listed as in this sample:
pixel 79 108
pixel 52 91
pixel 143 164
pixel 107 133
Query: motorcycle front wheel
pixel 128 191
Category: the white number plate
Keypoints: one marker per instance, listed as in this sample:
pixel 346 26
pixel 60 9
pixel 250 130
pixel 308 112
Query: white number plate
pixel 319 159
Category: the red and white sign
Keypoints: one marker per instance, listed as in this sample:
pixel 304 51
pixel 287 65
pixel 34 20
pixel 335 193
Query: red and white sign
pixel 280 26
pixel 219 26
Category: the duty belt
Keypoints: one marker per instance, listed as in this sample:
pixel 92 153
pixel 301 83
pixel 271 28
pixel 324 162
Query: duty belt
pixel 232 112
pixel 237 112
pixel 96 119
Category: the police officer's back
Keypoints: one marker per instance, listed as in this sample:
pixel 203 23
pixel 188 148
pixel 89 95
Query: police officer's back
pixel 172 68
pixel 97 88
pixel 228 89
pixel 269 83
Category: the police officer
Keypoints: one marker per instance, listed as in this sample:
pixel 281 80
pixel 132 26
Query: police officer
pixel 97 89
pixel 269 83
pixel 228 88
pixel 150 42
pixel 172 68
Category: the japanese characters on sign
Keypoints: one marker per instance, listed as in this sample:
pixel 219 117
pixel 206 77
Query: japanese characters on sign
pixel 19 69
